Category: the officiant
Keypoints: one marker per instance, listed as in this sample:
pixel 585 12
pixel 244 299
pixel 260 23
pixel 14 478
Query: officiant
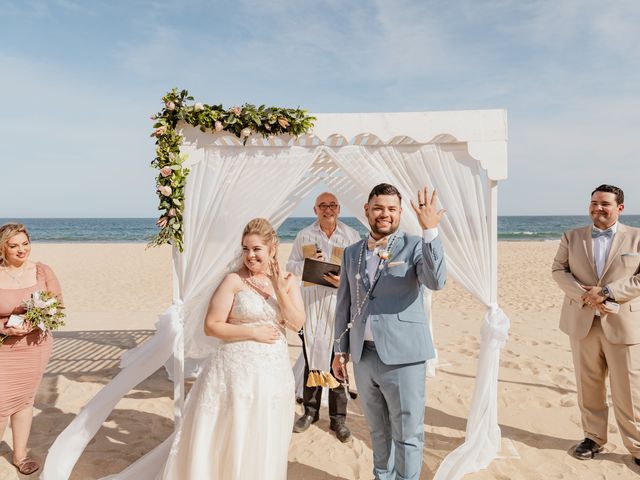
pixel 324 240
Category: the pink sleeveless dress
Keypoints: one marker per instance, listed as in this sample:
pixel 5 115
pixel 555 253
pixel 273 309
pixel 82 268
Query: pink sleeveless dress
pixel 23 359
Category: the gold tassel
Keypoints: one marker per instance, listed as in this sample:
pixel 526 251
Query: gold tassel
pixel 312 379
pixel 321 379
pixel 330 381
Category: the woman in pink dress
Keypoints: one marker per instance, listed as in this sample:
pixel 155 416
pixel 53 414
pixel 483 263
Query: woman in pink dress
pixel 25 351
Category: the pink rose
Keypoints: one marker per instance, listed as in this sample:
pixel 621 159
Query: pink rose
pixel 166 171
pixel 218 126
pixel 160 131
pixel 170 105
pixel 236 111
pixel 284 123
pixel 162 222
pixel 172 212
pixel 165 190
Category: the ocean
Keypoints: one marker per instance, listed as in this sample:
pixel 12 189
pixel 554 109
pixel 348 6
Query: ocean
pixel 121 230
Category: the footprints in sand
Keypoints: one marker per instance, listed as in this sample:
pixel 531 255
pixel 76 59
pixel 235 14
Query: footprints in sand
pixel 568 401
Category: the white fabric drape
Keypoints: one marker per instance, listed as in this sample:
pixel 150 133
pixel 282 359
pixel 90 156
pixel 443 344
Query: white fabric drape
pixel 142 362
pixel 467 245
pixel 228 186
pixel 225 189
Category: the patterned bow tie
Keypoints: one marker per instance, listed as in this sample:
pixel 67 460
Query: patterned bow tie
pixel 601 233
pixel 372 243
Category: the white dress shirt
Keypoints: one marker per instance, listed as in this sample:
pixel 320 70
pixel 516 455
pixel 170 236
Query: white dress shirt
pixel 342 237
pixel 372 264
pixel 601 248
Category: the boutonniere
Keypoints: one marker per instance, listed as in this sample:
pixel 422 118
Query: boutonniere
pixel 384 254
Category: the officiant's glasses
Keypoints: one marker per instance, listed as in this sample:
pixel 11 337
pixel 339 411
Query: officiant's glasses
pixel 332 206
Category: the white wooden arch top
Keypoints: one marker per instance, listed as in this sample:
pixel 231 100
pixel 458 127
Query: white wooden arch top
pixel 484 132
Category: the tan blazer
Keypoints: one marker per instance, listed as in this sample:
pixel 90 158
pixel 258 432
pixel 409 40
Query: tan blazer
pixel 574 266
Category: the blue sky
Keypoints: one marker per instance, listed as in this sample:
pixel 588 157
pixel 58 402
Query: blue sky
pixel 80 79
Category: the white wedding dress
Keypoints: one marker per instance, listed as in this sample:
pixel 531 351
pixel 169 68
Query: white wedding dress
pixel 239 415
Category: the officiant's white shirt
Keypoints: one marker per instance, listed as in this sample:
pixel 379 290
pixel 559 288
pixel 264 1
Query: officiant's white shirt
pixel 319 301
pixel 372 264
pixel 342 237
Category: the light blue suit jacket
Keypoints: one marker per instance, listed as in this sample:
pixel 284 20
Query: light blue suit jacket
pixel 395 307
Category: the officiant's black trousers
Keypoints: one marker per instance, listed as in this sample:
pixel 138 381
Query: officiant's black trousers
pixel 312 396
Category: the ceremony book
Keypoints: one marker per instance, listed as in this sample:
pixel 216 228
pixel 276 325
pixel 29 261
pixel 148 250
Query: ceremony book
pixel 314 270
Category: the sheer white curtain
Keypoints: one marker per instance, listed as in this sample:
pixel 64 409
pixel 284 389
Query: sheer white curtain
pixel 467 246
pixel 227 187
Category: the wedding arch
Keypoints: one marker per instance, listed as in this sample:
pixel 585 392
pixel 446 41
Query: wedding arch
pixel 224 178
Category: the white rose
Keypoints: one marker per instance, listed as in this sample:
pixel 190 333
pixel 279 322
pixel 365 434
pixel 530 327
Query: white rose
pixel 198 107
pixel 245 132
pixel 52 311
pixel 170 105
pixel 218 126
pixel 165 190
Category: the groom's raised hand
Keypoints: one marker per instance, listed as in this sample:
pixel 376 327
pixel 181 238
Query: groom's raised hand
pixel 426 209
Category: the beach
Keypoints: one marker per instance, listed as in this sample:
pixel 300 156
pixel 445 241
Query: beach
pixel 114 293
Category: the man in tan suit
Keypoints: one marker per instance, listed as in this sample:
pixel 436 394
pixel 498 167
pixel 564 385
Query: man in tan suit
pixel 598 269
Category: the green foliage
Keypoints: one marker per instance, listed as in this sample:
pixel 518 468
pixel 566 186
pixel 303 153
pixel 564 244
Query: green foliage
pixel 43 310
pixel 241 121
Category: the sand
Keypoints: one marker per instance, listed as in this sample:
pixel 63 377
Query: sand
pixel 115 291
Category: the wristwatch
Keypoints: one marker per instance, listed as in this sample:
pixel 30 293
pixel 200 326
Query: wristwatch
pixel 606 292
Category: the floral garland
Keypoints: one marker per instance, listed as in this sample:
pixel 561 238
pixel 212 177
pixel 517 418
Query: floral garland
pixel 241 121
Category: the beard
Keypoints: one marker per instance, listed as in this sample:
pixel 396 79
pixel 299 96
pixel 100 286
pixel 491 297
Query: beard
pixel 392 228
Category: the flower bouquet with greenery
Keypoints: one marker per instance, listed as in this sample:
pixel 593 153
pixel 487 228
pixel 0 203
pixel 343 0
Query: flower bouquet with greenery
pixel 43 310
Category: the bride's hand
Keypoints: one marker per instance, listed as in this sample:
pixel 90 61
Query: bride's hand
pixel 278 279
pixel 266 334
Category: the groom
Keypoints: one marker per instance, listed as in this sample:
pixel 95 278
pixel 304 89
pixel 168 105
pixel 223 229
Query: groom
pixel 380 299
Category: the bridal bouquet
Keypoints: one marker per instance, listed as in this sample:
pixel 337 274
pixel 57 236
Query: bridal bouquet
pixel 43 310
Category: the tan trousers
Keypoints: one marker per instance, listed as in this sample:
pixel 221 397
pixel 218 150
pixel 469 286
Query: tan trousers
pixel 593 357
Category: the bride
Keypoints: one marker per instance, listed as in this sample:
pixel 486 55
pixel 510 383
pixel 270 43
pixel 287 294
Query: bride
pixel 239 414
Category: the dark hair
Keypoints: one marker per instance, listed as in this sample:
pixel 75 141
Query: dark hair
pixel 611 189
pixel 384 189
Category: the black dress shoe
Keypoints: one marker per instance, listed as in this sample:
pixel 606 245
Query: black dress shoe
pixel 586 449
pixel 304 422
pixel 342 431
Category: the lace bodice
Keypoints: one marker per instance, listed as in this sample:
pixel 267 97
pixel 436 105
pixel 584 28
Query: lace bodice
pixel 250 308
